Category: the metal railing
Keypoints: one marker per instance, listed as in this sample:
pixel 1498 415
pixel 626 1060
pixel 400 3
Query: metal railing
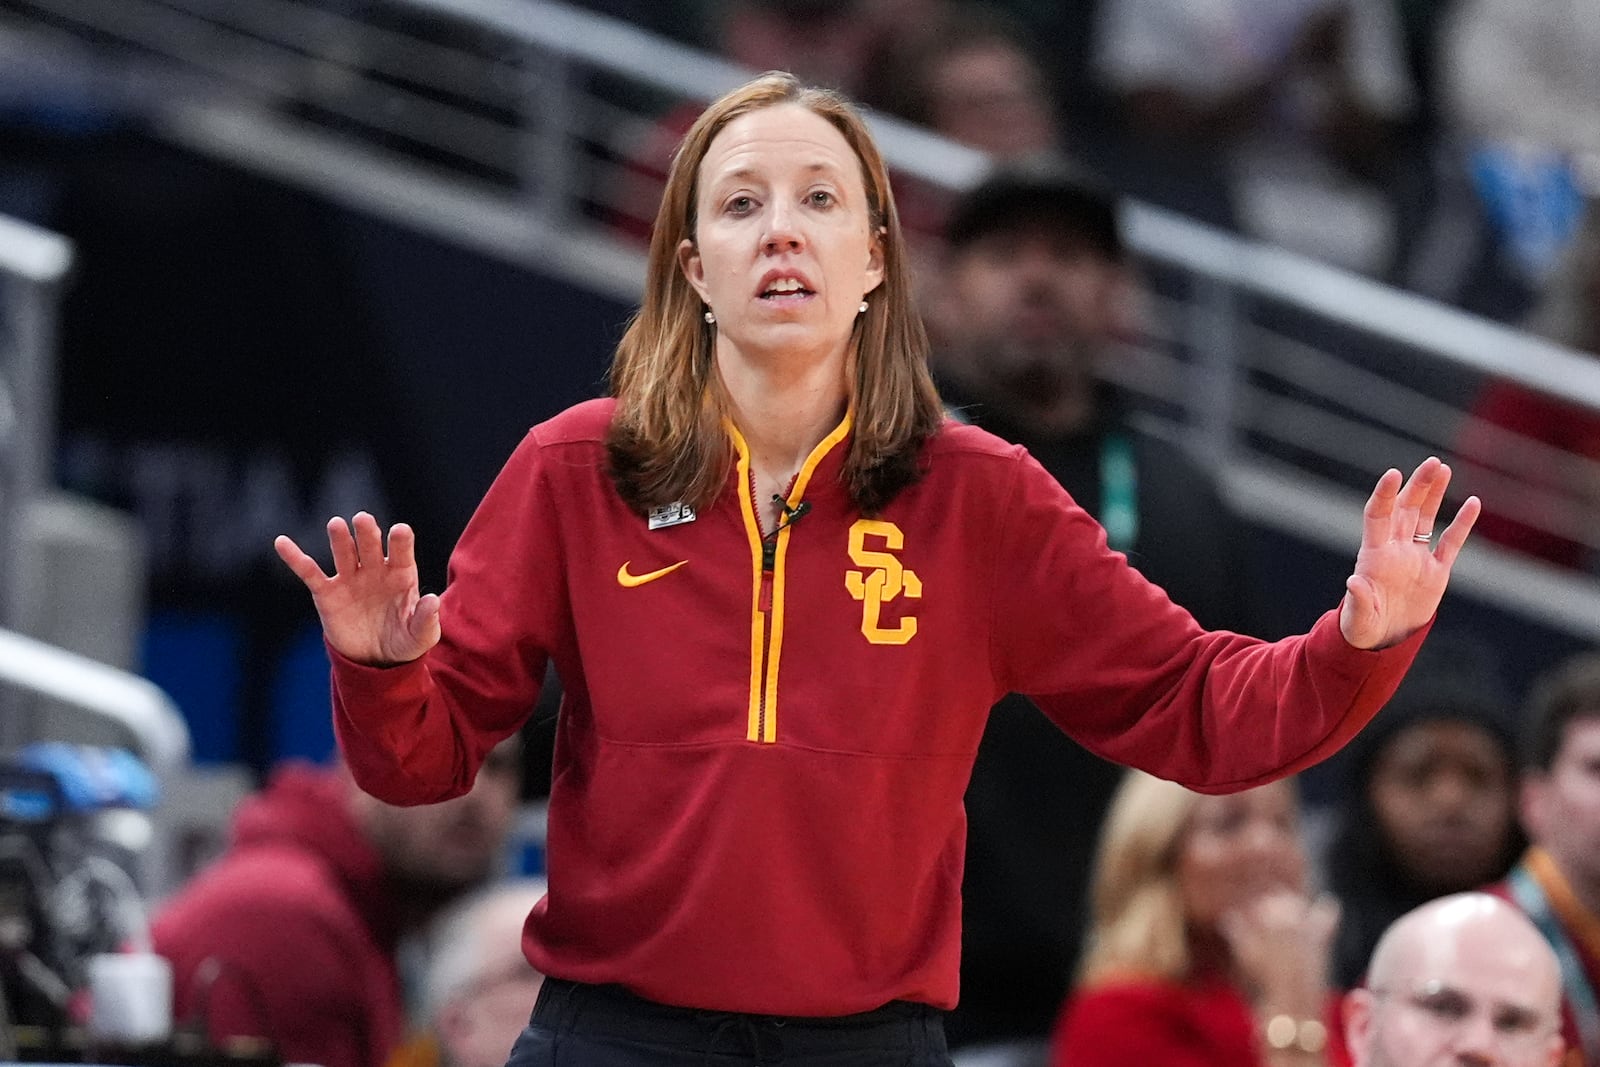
pixel 146 718
pixel 535 132
pixel 136 714
pixel 33 265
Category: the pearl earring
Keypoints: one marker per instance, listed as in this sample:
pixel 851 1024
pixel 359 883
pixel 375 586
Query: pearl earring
pixel 711 319
pixel 863 307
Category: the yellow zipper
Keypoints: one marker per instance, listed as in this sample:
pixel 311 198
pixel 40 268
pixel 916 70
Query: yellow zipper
pixel 766 608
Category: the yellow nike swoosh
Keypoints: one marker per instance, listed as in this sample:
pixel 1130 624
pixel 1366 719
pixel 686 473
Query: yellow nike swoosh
pixel 628 581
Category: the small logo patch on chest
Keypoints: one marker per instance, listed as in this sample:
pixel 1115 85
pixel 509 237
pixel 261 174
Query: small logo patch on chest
pixel 674 514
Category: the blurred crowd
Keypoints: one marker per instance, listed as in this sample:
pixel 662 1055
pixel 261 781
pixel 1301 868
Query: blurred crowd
pixel 1447 146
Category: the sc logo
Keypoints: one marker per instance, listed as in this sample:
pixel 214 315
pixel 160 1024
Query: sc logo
pixel 881 579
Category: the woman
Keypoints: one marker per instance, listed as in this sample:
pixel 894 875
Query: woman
pixel 1204 950
pixel 1430 807
pixel 782 594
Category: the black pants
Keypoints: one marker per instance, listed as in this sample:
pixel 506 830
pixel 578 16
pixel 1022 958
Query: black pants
pixel 576 1025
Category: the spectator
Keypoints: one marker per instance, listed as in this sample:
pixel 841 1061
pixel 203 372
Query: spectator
pixel 1430 803
pixel 968 75
pixel 1515 86
pixel 827 43
pixel 1551 502
pixel 1526 73
pixel 821 42
pixel 1280 116
pixel 291 935
pixel 1557 882
pixel 479 989
pixel 1204 949
pixel 1520 83
pixel 1028 303
pixel 1463 979
pixel 1027 313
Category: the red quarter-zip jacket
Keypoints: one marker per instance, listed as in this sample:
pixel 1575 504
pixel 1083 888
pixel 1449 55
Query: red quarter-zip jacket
pixel 760 759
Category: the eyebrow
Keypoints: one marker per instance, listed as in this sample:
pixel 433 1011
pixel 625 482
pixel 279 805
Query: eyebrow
pixel 1437 988
pixel 746 173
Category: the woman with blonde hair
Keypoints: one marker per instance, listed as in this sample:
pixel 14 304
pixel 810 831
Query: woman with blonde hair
pixel 1204 948
pixel 782 593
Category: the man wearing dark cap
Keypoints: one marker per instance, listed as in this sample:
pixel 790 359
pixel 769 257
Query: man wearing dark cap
pixel 1036 293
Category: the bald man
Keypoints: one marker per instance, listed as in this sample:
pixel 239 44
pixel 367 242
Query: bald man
pixel 1462 980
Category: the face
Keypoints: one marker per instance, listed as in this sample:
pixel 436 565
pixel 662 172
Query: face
pixel 1480 994
pixel 1442 795
pixel 479 1028
pixel 1029 309
pixel 784 249
pixel 989 98
pixel 1236 848
pixel 821 45
pixel 1561 807
pixel 452 845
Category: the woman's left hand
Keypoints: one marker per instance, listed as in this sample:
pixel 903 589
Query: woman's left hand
pixel 1400 577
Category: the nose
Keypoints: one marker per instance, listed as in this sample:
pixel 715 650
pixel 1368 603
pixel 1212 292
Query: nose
pixel 1265 838
pixel 1449 792
pixel 1476 1041
pixel 782 233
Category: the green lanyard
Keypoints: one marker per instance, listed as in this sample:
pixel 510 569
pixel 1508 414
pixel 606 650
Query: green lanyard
pixel 1119 492
pixel 1119 486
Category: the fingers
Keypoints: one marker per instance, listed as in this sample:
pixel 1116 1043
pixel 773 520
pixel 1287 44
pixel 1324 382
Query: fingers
pixel 1413 497
pixel 343 546
pixel 1324 916
pixel 304 567
pixel 369 538
pixel 424 622
pixel 1432 500
pixel 1358 614
pixel 356 543
pixel 1455 535
pixel 1377 518
pixel 402 546
pixel 1397 511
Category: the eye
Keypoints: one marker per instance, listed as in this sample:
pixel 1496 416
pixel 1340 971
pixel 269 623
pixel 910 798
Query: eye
pixel 1446 1006
pixel 739 205
pixel 1517 1023
pixel 820 198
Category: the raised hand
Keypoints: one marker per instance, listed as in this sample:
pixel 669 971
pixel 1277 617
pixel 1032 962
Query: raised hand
pixel 370 609
pixel 1281 943
pixel 1400 577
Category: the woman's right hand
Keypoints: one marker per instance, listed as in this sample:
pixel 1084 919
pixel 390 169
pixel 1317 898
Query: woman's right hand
pixel 1281 943
pixel 370 609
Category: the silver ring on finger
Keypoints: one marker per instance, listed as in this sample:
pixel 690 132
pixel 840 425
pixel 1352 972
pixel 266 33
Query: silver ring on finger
pixel 1422 538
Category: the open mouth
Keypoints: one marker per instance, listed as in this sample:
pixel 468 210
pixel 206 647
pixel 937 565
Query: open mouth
pixel 785 290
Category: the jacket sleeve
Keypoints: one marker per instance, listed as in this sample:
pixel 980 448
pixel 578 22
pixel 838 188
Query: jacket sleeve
pixel 1132 677
pixel 417 733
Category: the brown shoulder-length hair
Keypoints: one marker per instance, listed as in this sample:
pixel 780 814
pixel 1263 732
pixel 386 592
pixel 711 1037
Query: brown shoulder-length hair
pixel 667 442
